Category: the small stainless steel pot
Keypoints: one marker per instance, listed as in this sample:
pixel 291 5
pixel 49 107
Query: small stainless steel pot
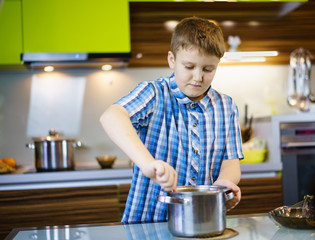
pixel 197 211
pixel 54 153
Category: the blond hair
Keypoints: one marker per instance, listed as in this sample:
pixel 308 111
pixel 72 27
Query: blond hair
pixel 200 33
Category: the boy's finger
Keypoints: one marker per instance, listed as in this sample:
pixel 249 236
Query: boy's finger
pixel 164 178
pixel 175 181
pixel 170 179
pixel 159 169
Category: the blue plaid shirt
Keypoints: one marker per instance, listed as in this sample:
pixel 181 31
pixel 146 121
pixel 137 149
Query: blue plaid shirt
pixel 164 118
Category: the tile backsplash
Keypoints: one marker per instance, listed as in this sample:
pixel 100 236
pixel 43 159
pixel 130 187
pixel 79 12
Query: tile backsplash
pixel 71 101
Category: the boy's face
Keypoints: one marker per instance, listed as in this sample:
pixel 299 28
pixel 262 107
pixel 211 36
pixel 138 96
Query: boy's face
pixel 194 71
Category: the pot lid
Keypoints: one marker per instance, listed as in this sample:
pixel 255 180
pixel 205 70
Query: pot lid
pixel 53 136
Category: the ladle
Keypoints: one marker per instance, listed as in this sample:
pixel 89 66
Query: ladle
pixel 303 102
pixel 293 99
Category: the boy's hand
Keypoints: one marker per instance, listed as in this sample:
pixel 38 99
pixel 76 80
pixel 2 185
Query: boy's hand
pixel 235 189
pixel 162 173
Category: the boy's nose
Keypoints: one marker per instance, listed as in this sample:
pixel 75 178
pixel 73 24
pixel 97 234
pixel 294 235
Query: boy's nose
pixel 198 75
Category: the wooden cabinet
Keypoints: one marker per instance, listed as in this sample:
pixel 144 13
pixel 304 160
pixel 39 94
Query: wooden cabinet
pixel 259 195
pixel 123 194
pixel 94 26
pixel 262 26
pixel 10 32
pixel 60 206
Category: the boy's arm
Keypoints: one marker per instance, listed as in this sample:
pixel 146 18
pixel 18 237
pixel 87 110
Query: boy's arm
pixel 229 176
pixel 116 123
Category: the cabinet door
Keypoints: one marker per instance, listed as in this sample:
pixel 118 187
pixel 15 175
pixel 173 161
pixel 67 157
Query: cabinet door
pixel 95 26
pixel 10 32
pixel 259 195
pixel 58 206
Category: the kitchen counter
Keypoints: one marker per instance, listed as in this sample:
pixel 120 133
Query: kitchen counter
pixel 60 179
pixel 248 227
pixel 26 178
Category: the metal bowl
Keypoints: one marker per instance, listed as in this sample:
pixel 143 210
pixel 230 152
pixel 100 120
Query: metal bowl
pixel 290 217
pixel 106 161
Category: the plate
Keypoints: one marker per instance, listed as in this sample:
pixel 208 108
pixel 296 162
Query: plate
pixel 290 218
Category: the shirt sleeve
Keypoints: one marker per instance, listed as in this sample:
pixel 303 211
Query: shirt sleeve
pixel 234 140
pixel 139 103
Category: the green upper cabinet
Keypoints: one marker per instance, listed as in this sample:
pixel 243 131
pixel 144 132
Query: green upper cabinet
pixel 10 32
pixel 217 1
pixel 95 26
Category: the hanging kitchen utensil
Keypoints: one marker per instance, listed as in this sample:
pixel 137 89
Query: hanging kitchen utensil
pixel 293 98
pixel 300 75
pixel 303 101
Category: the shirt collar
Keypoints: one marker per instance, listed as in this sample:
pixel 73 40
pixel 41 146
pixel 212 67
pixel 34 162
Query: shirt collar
pixel 183 99
pixel 180 96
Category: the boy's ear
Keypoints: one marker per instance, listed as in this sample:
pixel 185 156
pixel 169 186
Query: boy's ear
pixel 171 59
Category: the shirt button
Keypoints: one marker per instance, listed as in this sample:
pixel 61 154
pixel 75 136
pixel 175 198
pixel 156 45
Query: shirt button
pixel 193 105
pixel 195 125
pixel 195 151
pixel 193 178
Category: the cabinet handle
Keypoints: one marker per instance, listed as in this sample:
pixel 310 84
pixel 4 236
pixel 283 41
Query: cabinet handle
pixel 297 144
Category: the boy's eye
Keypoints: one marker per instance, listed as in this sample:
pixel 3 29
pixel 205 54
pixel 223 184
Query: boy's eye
pixel 208 69
pixel 189 67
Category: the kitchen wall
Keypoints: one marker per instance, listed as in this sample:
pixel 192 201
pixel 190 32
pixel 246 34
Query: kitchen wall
pixel 71 101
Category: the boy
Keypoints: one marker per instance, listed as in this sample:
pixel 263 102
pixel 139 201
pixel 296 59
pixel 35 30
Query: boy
pixel 178 130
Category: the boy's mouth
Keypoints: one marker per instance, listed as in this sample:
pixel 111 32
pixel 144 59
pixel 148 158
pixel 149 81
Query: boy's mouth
pixel 195 85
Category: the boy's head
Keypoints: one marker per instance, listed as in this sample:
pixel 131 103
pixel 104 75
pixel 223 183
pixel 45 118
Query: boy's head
pixel 196 48
pixel 198 33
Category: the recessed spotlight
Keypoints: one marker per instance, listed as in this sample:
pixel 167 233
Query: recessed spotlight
pixel 49 68
pixel 170 25
pixel 139 55
pixel 253 23
pixel 228 23
pixel 107 67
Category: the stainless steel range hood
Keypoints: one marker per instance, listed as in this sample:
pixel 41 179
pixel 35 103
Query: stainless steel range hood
pixel 76 60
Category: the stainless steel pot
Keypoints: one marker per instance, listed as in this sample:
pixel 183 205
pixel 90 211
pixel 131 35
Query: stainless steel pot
pixel 197 211
pixel 53 152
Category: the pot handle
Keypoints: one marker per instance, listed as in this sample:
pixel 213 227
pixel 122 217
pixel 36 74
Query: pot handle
pixel 172 200
pixel 229 195
pixel 30 145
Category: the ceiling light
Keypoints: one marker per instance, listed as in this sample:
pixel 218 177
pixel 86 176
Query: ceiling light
pixel 228 23
pixel 247 59
pixel 49 68
pixel 170 25
pixel 253 23
pixel 139 55
pixel 243 54
pixel 252 56
pixel 107 67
